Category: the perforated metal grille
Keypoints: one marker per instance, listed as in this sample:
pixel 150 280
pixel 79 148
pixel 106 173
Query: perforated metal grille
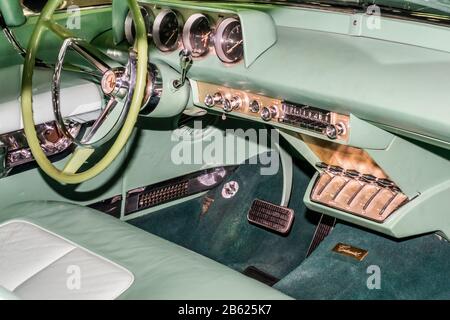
pixel 163 195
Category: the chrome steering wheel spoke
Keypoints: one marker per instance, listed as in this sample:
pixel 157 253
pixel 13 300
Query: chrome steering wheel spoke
pixel 112 103
pixel 89 53
pixel 117 84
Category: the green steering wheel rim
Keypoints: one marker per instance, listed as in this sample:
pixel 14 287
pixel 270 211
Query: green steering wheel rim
pixel 141 46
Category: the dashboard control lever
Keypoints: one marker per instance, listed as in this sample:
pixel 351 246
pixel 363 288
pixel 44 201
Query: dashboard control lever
pixel 268 113
pixel 185 64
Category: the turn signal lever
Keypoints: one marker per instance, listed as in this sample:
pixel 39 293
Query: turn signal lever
pixel 185 64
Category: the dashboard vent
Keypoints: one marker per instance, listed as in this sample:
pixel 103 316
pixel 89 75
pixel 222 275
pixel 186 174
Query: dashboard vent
pixel 162 195
pixel 177 188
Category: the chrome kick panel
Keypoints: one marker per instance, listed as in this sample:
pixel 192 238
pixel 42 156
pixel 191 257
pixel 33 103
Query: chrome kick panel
pixel 16 150
pixel 361 194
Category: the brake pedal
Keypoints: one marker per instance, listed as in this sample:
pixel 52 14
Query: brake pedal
pixel 271 216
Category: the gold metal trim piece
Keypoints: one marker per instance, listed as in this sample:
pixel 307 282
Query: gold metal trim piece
pixel 350 251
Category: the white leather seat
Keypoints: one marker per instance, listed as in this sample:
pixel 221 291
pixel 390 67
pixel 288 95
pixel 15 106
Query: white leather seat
pixel 52 250
pixel 37 263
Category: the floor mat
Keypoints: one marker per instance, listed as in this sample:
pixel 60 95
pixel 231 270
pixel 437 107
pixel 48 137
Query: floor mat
pixel 417 268
pixel 223 232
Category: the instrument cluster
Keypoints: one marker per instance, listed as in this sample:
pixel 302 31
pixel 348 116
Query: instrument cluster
pixel 200 33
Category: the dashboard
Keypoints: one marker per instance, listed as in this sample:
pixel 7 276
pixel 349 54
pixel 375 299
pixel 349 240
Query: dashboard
pixel 368 109
pixel 352 101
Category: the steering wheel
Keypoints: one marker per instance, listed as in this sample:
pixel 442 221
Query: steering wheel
pixel 128 84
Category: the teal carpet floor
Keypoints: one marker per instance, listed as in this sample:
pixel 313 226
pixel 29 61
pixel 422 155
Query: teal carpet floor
pixel 416 268
pixel 223 232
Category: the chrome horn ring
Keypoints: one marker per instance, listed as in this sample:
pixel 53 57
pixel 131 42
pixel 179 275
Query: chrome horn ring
pixel 117 84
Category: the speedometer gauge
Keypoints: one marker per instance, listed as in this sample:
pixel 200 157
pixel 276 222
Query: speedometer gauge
pixel 166 30
pixel 197 35
pixel 229 41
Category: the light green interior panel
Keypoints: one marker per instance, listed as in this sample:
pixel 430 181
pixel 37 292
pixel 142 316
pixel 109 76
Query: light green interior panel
pixel 392 82
pixel 327 74
pixel 12 13
pixel 416 166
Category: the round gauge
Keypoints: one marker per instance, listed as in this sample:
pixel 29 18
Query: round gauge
pixel 229 42
pixel 166 30
pixel 197 35
pixel 130 30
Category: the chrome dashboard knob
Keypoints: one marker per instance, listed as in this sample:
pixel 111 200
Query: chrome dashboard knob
pixel 255 106
pixel 209 101
pixel 333 131
pixel 218 98
pixel 268 113
pixel 232 104
pixel 213 100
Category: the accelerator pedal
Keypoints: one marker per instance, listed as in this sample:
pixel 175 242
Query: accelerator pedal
pixel 271 216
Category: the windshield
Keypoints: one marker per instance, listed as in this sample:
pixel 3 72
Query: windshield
pixel 37 5
pixel 431 10
pixel 437 11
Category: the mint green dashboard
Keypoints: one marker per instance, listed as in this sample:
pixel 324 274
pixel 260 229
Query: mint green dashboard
pixel 393 77
pixel 388 86
pixel 389 83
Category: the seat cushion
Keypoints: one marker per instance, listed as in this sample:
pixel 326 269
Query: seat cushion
pixel 32 258
pixel 110 253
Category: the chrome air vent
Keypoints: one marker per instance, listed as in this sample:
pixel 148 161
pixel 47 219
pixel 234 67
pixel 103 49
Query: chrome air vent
pixel 170 190
pixel 163 194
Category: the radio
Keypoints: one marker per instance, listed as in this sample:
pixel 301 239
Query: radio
pixel 313 119
pixel 330 124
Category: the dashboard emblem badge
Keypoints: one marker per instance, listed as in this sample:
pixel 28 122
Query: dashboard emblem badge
pixel 351 251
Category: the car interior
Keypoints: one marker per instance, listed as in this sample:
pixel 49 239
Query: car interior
pixel 224 150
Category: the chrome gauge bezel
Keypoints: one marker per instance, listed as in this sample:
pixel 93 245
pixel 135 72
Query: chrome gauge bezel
pixel 149 20
pixel 187 31
pixel 157 27
pixel 219 37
